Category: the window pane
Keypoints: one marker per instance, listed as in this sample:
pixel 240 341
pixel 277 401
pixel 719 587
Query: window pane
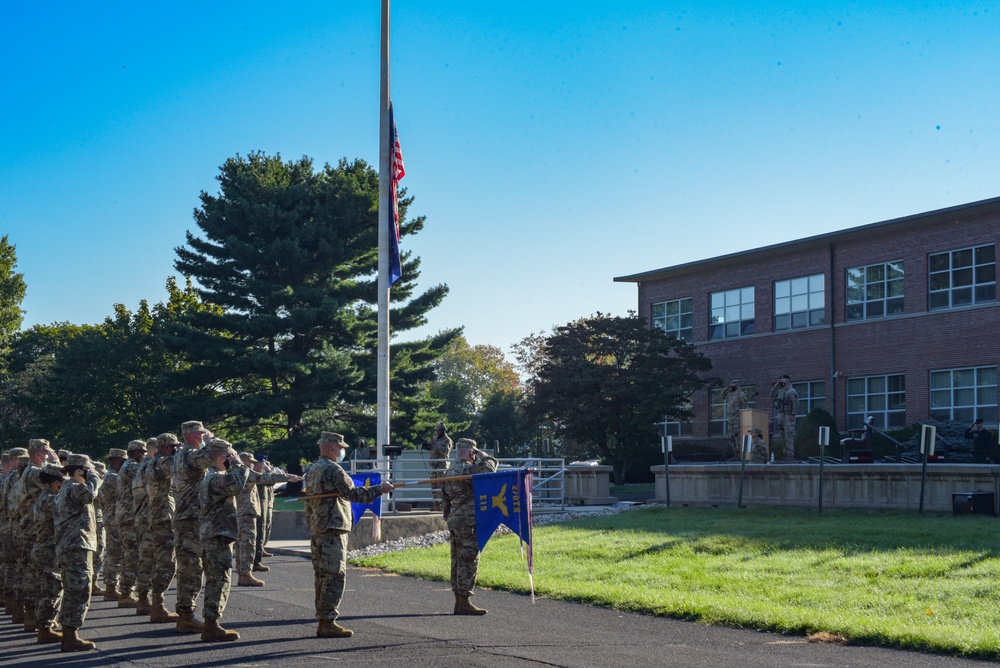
pixel 748 295
pixel 896 383
pixel 817 283
pixel 816 318
pixel 746 312
pixel 799 320
pixel 658 310
pixel 817 300
pixel 718 300
pixel 876 384
pixel 782 322
pixel 940 379
pixel 986 254
pixel 894 270
pixel 940 281
pixel 986 293
pixel 961 277
pixel 986 395
pixel 855 404
pixel 940 399
pixel 875 291
pixel 782 305
pixel 687 320
pixel 986 273
pixel 894 306
pixel 876 402
pixel 875 273
pixel 855 312
pixel 961 297
pixel 800 286
pixel 964 414
pixel 800 303
pixel 939 300
pixel 939 262
pixel 747 327
pixel 987 375
pixel 732 313
pixel 782 289
pixel 856 386
pixel 875 309
pixel 962 258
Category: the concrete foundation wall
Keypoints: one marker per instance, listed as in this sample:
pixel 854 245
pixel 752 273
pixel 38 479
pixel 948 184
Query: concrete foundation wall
pixel 872 486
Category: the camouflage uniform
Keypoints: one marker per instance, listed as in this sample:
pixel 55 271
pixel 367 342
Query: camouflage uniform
pixel 218 530
pixel 249 512
pixel 125 515
pixel 736 400
pixel 101 543
pixel 76 543
pixel 460 514
pixel 12 582
pixel 189 465
pixel 50 589
pixel 786 405
pixel 161 530
pixel 108 498
pixel 758 450
pixel 330 522
pixel 140 500
pixel 440 450
pixel 8 555
pixel 29 488
pixel 266 517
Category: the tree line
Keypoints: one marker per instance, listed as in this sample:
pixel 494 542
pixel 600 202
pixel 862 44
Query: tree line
pixel 272 339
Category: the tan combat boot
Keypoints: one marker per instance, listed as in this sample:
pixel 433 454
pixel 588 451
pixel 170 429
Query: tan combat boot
pixel 128 600
pixel 71 642
pixel 160 615
pixel 265 553
pixel 332 630
pixel 215 633
pixel 188 623
pixel 248 580
pixel 95 589
pixel 17 612
pixel 47 635
pixel 30 623
pixel 464 607
pixel 144 605
pixel 111 593
pixel 261 568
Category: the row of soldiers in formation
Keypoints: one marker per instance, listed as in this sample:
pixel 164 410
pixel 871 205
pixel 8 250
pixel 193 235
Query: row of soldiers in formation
pixel 164 508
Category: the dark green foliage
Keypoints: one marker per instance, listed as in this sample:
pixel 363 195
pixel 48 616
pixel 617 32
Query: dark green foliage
pixel 289 254
pixel 12 289
pixel 606 380
pixel 807 434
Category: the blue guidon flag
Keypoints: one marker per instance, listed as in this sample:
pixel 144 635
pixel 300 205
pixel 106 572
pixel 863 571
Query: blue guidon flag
pixel 504 498
pixel 368 479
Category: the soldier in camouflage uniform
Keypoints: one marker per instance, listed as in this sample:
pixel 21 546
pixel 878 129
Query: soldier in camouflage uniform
pixel 265 490
pixel 125 515
pixel 786 405
pixel 101 470
pixel 439 449
pixel 218 531
pixel 161 529
pixel 76 542
pixel 460 513
pixel 329 523
pixel 736 400
pixel 147 557
pixel 190 462
pixel 108 498
pixel 44 553
pixel 248 513
pixel 6 466
pixel 12 582
pixel 28 490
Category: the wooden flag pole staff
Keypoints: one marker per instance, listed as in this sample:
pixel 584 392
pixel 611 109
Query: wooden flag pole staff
pixel 427 481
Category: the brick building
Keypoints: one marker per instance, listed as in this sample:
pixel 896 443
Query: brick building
pixel 897 319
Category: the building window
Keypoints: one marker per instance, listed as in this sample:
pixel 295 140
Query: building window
pixel 678 428
pixel 799 302
pixel 718 424
pixel 964 394
pixel 674 317
pixel 962 277
pixel 875 291
pixel 882 397
pixel 812 394
pixel 732 314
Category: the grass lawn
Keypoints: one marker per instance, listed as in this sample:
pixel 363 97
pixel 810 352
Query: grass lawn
pixel 897 579
pixel 294 503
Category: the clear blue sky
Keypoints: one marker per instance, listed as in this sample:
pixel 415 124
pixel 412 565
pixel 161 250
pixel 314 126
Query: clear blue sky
pixel 551 145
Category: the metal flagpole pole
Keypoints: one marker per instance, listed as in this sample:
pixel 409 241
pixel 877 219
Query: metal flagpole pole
pixel 384 214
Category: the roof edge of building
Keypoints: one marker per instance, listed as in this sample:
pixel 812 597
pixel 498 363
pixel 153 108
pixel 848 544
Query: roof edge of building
pixel 914 220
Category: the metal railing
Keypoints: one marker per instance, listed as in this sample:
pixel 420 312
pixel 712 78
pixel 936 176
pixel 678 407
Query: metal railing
pixel 549 486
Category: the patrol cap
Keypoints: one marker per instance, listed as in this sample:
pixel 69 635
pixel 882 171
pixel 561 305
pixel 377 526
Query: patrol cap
pixel 119 453
pixel 18 452
pixel 5 458
pixel 166 439
pixel 75 459
pixel 54 470
pixel 219 446
pixel 248 458
pixel 136 445
pixel 62 453
pixel 100 467
pixel 466 443
pixel 23 460
pixel 192 426
pixel 440 425
pixel 151 442
pixel 38 445
pixel 734 382
pixel 332 437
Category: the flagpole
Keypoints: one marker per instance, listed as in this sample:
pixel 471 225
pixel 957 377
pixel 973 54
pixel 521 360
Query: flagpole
pixel 384 213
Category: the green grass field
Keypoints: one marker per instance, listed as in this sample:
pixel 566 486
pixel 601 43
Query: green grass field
pixel 896 579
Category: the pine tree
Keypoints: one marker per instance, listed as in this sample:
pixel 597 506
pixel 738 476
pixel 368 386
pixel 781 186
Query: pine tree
pixel 290 254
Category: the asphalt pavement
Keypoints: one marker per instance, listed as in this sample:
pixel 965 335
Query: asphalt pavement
pixel 401 621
